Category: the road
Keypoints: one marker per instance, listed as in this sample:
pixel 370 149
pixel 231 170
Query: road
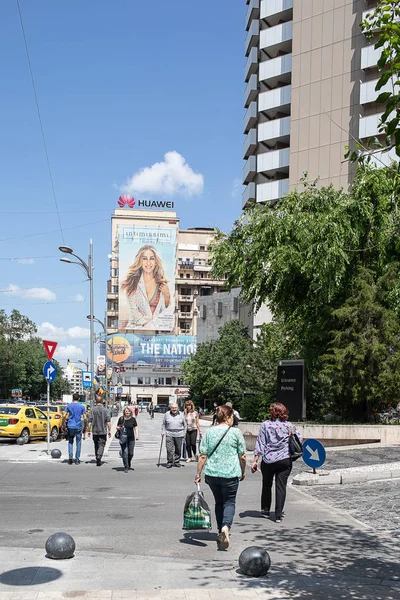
pixel 136 517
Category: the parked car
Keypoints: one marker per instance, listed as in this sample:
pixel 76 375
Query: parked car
pixel 56 411
pixel 161 408
pixel 27 422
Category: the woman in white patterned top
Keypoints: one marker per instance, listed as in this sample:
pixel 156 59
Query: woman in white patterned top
pixel 193 426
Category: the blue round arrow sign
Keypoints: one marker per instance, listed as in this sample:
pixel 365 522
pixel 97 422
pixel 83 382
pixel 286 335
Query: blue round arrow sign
pixel 314 454
pixel 49 371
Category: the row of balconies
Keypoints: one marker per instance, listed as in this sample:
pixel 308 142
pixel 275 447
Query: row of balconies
pixel 274 39
pixel 265 192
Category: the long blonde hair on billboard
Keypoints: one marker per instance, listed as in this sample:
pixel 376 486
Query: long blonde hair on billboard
pixel 135 271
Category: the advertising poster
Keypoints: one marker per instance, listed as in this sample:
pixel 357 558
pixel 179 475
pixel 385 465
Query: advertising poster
pixel 156 350
pixel 147 258
pixel 101 366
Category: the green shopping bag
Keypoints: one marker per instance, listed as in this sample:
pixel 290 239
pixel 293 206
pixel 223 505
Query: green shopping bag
pixel 196 513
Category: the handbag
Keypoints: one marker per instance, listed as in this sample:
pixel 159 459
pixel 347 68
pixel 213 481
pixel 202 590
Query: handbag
pixel 121 434
pixel 295 447
pixel 220 440
pixel 196 512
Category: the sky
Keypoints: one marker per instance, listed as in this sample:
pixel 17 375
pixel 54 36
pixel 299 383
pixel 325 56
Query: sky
pixel 134 97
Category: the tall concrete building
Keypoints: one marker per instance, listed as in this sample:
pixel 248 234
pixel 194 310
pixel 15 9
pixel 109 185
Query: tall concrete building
pixel 157 378
pixel 310 78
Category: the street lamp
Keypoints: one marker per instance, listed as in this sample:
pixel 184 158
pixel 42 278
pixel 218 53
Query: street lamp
pixel 88 269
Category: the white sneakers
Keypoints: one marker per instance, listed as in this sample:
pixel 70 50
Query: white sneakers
pixel 224 537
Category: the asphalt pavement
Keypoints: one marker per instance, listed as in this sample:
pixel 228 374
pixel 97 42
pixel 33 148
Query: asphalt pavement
pixel 130 542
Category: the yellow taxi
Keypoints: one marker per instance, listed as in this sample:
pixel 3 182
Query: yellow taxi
pixel 56 411
pixel 27 422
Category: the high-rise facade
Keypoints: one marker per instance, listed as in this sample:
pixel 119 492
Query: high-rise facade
pixel 310 78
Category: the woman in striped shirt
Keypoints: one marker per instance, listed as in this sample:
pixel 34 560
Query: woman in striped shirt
pixel 273 447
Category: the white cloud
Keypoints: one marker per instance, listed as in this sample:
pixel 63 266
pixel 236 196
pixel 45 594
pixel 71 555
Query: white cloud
pixel 236 187
pixel 172 176
pixel 78 298
pixel 35 293
pixel 49 331
pixel 70 352
pixel 26 261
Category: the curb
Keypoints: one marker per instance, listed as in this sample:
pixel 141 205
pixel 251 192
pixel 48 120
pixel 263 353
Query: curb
pixel 343 477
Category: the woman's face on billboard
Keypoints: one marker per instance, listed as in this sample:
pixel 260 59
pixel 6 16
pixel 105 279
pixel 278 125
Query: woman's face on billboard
pixel 148 261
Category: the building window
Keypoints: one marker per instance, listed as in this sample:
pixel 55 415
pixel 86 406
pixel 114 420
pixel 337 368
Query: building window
pixel 181 275
pixel 202 247
pixel 168 381
pixel 140 380
pixel 115 289
pixel 115 272
pixel 187 275
pixel 161 381
pixel 147 381
pixel 180 381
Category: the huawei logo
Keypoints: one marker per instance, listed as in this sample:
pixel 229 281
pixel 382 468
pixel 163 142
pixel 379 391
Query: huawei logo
pixel 126 200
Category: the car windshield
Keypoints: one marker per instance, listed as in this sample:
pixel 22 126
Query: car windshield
pixel 9 410
pixel 44 408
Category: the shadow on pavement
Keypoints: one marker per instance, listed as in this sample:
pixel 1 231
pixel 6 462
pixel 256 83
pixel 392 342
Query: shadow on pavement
pixel 320 558
pixel 30 576
pixel 195 538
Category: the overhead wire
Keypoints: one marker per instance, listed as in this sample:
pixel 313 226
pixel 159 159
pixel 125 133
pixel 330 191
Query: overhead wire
pixel 40 122
pixel 22 237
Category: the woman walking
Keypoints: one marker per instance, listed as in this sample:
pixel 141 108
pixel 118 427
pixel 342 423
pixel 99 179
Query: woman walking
pixel 273 447
pixel 193 426
pixel 128 433
pixel 223 452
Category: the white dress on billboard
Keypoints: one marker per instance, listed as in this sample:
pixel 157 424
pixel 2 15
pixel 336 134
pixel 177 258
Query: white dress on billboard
pixel 145 313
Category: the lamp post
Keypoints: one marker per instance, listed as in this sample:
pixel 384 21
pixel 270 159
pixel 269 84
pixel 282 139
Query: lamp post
pixel 90 318
pixel 88 269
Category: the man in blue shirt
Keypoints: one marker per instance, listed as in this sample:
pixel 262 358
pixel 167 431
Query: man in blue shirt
pixel 75 412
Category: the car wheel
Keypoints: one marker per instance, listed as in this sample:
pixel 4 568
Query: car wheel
pixel 25 435
pixel 54 434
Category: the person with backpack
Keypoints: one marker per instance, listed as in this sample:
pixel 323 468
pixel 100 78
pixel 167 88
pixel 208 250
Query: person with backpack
pixel 273 447
pixel 128 433
pixel 223 454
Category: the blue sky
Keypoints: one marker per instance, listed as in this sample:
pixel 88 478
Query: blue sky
pixel 120 84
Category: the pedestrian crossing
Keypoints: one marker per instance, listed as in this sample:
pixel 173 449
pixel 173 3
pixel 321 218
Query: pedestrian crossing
pixel 148 444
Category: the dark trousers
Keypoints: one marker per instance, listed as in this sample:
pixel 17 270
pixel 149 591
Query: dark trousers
pixel 224 490
pixel 191 439
pixel 99 444
pixel 127 450
pixel 281 471
pixel 174 449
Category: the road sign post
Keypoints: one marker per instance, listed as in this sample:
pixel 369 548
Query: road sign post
pixel 314 454
pixel 49 372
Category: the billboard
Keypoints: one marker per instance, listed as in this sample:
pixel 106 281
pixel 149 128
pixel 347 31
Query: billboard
pixel 155 350
pixel 147 257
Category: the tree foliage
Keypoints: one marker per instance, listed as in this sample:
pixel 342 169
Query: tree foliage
pixel 23 357
pixel 382 25
pixel 305 257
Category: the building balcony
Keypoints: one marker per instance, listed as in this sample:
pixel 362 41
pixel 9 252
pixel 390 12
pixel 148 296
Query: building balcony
pixel 272 190
pixel 368 93
pixel 275 100
pixel 370 56
pixel 253 12
pixel 276 69
pixel 252 37
pixel 185 298
pixel 275 10
pixel 203 268
pixel 384 158
pixel 251 90
pixel 249 195
pixel 369 126
pixel 250 117
pixel 185 332
pixel 273 131
pixel 277 39
pixel 185 315
pixel 273 161
pixel 249 169
pixel 250 143
pixel 370 11
pixel 251 66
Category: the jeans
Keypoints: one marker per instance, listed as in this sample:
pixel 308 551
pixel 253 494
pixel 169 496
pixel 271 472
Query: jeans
pixel 77 434
pixel 99 444
pixel 281 470
pixel 127 453
pixel 191 439
pixel 224 490
pixel 174 449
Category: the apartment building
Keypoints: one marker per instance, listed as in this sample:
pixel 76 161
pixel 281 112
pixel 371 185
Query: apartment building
pixel 157 378
pixel 310 77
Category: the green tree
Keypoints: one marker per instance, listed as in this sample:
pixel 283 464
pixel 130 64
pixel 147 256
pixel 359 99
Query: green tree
pixel 219 370
pixel 382 25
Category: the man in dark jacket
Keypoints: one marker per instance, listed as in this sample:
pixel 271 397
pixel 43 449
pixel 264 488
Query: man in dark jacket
pixel 99 425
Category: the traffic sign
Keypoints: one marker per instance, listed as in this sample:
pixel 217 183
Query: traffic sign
pixel 86 379
pixel 50 348
pixel 314 453
pixel 120 389
pixel 49 371
pixel 16 392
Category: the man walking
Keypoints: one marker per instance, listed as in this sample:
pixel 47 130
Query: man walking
pixel 174 429
pixel 99 425
pixel 75 412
